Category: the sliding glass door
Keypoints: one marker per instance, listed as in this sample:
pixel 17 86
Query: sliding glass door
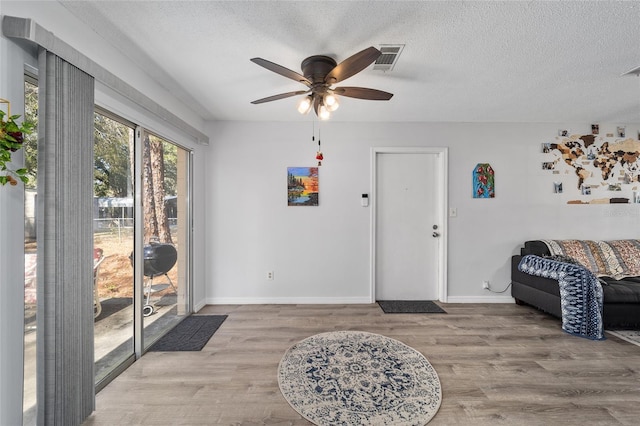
pixel 141 245
pixel 165 205
pixel 131 308
pixel 141 278
pixel 113 244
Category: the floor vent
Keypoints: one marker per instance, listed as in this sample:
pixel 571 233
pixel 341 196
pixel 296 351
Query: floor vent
pixel 389 57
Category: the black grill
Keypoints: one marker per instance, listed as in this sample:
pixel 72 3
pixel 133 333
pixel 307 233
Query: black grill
pixel 159 259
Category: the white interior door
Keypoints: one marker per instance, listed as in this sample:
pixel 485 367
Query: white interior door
pixel 406 211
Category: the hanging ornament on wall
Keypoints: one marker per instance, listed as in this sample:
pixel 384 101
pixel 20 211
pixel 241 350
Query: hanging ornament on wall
pixel 319 155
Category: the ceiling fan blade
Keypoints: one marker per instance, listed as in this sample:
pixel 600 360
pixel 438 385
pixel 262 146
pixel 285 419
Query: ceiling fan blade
pixel 280 96
pixel 363 93
pixel 352 65
pixel 279 69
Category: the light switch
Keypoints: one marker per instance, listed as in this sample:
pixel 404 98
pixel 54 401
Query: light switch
pixel 453 212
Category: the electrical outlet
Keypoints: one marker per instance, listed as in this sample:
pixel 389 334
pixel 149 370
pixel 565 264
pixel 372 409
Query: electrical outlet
pixel 485 285
pixel 270 275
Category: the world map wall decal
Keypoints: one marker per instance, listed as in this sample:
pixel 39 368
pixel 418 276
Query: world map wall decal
pixel 604 167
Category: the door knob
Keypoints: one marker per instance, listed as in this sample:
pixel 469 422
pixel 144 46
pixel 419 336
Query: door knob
pixel 435 235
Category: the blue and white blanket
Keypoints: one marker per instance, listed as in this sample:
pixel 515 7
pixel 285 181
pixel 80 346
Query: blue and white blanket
pixel 580 294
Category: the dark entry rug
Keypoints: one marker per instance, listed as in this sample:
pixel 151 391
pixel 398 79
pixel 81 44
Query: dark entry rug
pixel 190 335
pixel 410 307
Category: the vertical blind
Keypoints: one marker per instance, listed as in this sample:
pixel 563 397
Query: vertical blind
pixel 65 379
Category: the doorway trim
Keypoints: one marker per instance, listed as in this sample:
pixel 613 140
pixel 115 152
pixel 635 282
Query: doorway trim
pixel 442 191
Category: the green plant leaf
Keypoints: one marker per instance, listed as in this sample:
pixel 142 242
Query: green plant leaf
pixel 9 143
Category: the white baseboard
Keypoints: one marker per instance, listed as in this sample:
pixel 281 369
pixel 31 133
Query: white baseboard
pixel 199 305
pixel 335 300
pixel 480 299
pixel 287 300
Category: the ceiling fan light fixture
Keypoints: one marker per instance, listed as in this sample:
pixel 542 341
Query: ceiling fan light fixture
pixel 324 113
pixel 304 106
pixel 331 102
pixel 319 73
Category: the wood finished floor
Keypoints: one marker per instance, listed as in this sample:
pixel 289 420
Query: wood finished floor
pixel 499 364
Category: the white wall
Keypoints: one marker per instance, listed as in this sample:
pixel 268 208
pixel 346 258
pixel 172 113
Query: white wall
pixel 321 254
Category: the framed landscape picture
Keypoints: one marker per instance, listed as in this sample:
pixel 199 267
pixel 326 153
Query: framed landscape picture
pixel 302 186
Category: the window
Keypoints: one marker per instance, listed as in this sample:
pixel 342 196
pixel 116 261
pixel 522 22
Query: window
pixel 30 259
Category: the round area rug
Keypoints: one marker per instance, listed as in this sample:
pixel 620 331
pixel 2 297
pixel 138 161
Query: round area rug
pixel 358 378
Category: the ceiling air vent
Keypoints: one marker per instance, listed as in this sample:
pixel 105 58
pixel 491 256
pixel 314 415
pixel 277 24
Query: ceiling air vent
pixel 389 57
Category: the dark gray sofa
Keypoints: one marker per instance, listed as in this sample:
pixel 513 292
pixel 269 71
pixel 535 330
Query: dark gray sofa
pixel 621 308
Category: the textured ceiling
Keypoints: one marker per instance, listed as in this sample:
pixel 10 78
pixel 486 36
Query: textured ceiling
pixel 462 62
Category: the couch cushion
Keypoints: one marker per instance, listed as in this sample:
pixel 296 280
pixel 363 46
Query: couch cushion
pixel 623 291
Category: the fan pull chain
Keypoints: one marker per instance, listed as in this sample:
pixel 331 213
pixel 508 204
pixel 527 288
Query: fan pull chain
pixel 319 155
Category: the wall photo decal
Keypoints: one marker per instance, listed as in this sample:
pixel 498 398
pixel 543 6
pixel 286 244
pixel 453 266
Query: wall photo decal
pixel 557 187
pixel 548 165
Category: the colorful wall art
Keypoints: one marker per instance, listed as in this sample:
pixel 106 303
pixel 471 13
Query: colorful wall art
pixel 483 181
pixel 302 186
pixel 599 169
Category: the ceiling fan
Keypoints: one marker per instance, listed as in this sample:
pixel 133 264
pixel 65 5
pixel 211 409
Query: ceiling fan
pixel 319 74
